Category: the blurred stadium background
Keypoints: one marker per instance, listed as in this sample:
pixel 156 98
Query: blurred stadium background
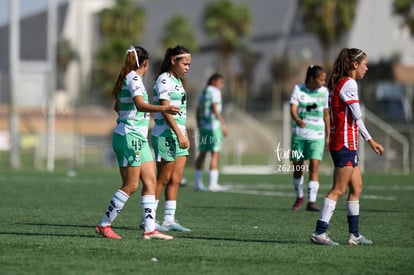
pixel 59 59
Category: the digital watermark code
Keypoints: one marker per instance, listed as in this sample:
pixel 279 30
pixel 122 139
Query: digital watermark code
pixel 284 155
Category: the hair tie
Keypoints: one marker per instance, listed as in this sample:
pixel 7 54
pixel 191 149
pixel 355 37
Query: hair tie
pixel 132 49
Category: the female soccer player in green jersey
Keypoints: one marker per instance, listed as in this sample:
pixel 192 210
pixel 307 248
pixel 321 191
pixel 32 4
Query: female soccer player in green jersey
pixel 169 134
pixel 211 128
pixel 310 133
pixel 130 144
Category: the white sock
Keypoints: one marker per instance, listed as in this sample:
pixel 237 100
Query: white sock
pixel 148 208
pixel 169 211
pixel 298 185
pixel 213 176
pixel 313 187
pixel 352 208
pixel 156 204
pixel 328 208
pixel 198 178
pixel 115 206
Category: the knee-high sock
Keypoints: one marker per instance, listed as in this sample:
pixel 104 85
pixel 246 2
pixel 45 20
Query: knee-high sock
pixel 169 211
pixel 149 212
pixel 115 206
pixel 198 178
pixel 328 208
pixel 213 177
pixel 298 185
pixel 313 187
pixel 352 210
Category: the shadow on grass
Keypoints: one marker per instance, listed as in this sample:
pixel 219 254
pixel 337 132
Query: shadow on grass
pixel 46 234
pixel 133 228
pixel 92 227
pixel 238 240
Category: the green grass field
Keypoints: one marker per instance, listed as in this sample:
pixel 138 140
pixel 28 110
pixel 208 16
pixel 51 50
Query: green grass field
pixel 47 227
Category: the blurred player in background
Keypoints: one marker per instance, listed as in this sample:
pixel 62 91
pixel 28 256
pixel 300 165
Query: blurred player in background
pixel 346 122
pixel 169 134
pixel 211 128
pixel 131 147
pixel 310 114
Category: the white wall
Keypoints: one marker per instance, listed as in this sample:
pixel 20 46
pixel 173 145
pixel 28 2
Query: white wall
pixel 79 28
pixel 378 32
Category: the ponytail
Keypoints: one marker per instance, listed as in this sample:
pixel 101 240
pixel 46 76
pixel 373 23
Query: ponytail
pixel 343 64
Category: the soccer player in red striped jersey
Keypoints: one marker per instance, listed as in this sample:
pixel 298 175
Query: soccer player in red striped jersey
pixel 346 125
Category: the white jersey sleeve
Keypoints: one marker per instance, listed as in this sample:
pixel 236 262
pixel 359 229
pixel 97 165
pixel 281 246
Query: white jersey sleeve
pixel 135 85
pixel 215 95
pixel 349 92
pixel 294 99
pixel 164 87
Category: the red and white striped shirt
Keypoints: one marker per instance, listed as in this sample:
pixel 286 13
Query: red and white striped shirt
pixel 344 128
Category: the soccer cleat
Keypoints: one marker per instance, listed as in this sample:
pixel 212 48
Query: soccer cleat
pixel 158 227
pixel 155 235
pixel 183 182
pixel 311 206
pixel 200 188
pixel 358 240
pixel 322 239
pixel 107 232
pixel 217 188
pixel 298 203
pixel 175 226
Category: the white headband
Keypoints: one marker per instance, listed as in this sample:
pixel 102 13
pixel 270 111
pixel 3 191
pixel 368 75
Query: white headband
pixel 132 49
pixel 180 55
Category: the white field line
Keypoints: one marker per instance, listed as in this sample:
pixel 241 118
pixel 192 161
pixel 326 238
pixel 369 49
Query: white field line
pixel 263 189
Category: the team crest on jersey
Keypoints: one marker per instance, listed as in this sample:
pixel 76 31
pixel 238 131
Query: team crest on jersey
pixel 137 156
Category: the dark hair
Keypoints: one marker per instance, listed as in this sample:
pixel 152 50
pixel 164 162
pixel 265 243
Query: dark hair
pixel 313 71
pixel 214 77
pixel 169 54
pixel 343 64
pixel 130 64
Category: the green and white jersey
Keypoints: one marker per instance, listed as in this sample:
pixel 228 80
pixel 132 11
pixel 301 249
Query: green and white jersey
pixel 206 117
pixel 311 105
pixel 167 87
pixel 130 118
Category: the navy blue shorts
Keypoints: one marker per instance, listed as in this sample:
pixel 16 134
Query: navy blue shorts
pixel 345 157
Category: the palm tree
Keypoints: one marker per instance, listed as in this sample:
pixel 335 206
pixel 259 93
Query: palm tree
pixel 178 31
pixel 328 20
pixel 227 23
pixel 405 9
pixel 65 55
pixel 120 26
pixel 282 69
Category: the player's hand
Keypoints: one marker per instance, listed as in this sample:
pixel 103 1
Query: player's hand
pixel 376 147
pixel 224 130
pixel 327 143
pixel 184 142
pixel 172 110
pixel 301 123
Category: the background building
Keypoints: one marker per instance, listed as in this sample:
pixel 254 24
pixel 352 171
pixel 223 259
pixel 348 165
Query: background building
pixel 276 31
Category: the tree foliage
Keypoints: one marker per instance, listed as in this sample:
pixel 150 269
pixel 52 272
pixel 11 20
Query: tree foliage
pixel 178 31
pixel 226 23
pixel 329 20
pixel 405 9
pixel 120 26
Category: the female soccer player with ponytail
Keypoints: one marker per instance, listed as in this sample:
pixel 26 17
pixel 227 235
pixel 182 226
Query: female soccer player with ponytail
pixel 346 122
pixel 169 135
pixel 130 144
